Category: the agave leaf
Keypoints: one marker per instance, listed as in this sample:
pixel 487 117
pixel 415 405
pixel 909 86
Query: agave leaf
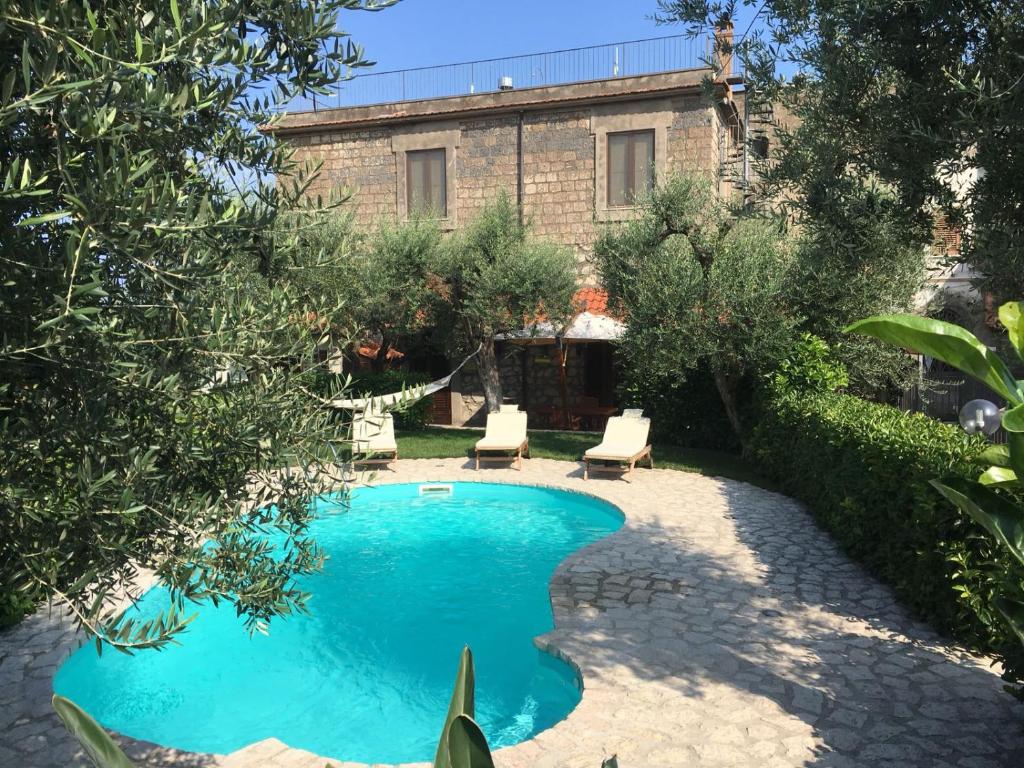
pixel 102 749
pixel 467 745
pixel 611 762
pixel 994 512
pixel 998 476
pixel 1011 315
pixel 947 342
pixel 462 703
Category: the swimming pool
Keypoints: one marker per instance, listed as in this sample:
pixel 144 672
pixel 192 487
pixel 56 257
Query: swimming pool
pixel 410 578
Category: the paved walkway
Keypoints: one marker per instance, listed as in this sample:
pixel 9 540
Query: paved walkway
pixel 719 627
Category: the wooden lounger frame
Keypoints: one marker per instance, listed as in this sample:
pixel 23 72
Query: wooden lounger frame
pixel 375 457
pixel 522 450
pixel 631 461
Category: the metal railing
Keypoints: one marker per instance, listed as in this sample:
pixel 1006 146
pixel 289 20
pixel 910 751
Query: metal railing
pixel 571 65
pixel 941 395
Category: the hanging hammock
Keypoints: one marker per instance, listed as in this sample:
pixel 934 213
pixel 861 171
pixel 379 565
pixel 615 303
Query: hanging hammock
pixel 381 403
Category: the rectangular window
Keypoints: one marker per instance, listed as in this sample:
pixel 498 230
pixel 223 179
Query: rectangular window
pixel 426 186
pixel 630 166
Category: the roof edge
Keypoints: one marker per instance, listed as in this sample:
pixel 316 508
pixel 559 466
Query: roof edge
pixel 447 107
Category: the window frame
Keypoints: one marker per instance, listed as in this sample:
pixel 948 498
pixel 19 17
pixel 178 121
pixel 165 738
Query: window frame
pixel 629 192
pixel 432 135
pixel 436 212
pixel 653 114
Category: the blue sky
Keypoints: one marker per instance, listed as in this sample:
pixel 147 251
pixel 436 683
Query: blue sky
pixel 420 33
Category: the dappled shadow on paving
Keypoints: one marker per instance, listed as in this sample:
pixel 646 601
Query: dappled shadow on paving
pixel 784 651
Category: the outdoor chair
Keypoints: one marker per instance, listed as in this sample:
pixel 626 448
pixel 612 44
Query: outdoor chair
pixel 506 432
pixel 624 442
pixel 373 438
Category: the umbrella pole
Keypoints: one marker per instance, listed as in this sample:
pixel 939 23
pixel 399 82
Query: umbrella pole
pixel 562 350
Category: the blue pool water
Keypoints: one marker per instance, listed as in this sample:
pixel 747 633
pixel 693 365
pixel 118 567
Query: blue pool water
pixel 367 676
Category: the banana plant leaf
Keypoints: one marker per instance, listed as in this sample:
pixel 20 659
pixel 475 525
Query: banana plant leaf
pixel 947 342
pixel 1013 419
pixel 1011 315
pixel 467 745
pixel 996 455
pixel 993 511
pixel 1015 451
pixel 1013 612
pixel 998 476
pixel 462 703
pixel 96 742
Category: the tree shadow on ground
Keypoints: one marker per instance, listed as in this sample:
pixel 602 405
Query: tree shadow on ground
pixel 768 645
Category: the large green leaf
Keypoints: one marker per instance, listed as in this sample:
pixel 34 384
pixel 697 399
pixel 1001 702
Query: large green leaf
pixel 996 513
pixel 997 455
pixel 1011 315
pixel 467 745
pixel 998 476
pixel 1013 419
pixel 97 742
pixel 1013 612
pixel 947 342
pixel 462 703
pixel 1015 448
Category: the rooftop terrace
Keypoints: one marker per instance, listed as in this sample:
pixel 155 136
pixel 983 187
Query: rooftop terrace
pixel 571 65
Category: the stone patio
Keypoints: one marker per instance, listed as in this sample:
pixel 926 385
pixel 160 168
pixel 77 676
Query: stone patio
pixel 718 627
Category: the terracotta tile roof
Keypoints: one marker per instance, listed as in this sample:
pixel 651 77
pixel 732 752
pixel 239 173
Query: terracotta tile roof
pixel 595 301
pixel 369 351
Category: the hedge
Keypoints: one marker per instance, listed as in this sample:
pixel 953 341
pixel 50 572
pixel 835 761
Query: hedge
pixel 862 469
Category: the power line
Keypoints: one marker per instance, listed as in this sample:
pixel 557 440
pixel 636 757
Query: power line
pixel 751 24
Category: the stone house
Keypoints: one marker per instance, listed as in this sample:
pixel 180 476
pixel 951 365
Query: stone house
pixel 572 154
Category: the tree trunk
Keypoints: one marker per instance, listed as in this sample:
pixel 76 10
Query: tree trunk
pixel 487 364
pixel 726 386
pixel 380 361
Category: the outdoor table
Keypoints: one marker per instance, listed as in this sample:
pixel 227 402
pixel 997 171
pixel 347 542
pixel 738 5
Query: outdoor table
pixel 594 417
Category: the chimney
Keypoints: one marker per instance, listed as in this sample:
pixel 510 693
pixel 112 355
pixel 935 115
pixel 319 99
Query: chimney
pixel 505 83
pixel 723 48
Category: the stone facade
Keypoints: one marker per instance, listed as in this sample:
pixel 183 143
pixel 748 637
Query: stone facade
pixel 563 130
pixel 543 146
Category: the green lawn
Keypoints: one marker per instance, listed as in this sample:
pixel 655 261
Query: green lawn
pixel 433 443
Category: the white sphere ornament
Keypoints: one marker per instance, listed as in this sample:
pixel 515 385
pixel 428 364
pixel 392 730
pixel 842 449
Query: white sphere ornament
pixel 979 417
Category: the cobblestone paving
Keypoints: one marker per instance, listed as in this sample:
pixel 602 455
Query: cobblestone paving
pixel 719 627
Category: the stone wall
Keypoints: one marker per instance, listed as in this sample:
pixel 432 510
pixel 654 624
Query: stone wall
pixel 561 144
pixel 360 161
pixel 558 164
pixel 542 381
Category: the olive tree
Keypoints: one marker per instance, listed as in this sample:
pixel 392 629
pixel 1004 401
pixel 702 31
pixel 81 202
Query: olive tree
pixel 702 290
pixel 925 97
pixel 151 366
pixel 493 278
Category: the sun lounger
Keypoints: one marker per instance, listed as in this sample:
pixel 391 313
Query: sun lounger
pixel 506 432
pixel 624 442
pixel 373 438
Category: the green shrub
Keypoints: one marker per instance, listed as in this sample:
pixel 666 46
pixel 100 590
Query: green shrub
pixel 14 606
pixel 863 470
pixel 687 412
pixel 811 366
